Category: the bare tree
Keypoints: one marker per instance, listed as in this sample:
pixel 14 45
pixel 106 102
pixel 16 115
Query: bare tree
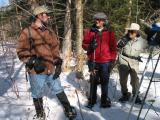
pixel 79 34
pixel 33 3
pixel 129 15
pixel 67 38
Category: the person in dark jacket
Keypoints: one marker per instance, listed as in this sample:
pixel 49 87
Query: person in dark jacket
pixel 38 48
pixel 100 44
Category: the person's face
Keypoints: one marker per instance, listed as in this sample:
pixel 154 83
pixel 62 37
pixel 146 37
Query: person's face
pixel 100 23
pixel 133 34
pixel 44 17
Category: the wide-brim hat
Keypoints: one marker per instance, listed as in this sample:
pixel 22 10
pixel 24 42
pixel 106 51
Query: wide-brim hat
pixel 134 26
pixel 100 15
pixel 41 9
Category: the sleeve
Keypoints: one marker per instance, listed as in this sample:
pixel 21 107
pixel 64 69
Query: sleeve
pixel 23 48
pixel 86 39
pixel 143 45
pixel 55 46
pixel 113 46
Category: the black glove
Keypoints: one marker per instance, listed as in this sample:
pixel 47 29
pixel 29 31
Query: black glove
pixel 31 61
pixel 58 69
pixel 111 65
pixel 93 45
pixel 122 42
pixel 92 66
pixel 139 59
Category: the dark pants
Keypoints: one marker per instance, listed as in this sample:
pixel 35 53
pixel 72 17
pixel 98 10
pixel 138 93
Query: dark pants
pixel 124 71
pixel 102 71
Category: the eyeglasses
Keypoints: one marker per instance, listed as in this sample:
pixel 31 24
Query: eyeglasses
pixel 100 19
pixel 46 14
pixel 132 31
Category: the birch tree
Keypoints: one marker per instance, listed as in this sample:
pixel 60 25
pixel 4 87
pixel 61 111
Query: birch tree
pixel 67 37
pixel 79 34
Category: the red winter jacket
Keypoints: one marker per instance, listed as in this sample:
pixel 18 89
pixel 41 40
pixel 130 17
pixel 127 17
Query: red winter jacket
pixel 106 50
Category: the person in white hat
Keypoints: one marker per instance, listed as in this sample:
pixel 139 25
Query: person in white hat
pixel 130 46
pixel 38 49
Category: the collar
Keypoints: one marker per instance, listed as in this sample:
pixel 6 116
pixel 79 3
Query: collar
pixel 96 30
pixel 34 26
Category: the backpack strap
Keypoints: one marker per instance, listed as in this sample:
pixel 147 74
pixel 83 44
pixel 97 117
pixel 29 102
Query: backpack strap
pixel 31 43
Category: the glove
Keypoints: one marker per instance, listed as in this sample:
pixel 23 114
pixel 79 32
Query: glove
pixel 58 62
pixel 58 69
pixel 92 66
pixel 111 65
pixel 93 45
pixel 139 59
pixel 31 61
pixel 122 42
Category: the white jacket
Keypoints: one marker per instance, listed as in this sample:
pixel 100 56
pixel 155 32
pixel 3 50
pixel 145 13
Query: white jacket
pixel 132 48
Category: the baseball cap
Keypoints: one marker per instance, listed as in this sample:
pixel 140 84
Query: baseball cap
pixel 100 15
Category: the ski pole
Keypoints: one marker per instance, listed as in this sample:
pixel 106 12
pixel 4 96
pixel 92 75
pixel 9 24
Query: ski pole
pixel 148 87
pixel 143 74
pixel 93 76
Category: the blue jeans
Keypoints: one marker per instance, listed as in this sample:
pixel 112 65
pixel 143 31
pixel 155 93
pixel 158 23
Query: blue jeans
pixel 102 73
pixel 39 82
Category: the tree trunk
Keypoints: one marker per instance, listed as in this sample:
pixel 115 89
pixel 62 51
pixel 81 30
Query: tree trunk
pixel 67 39
pixel 129 15
pixel 33 3
pixel 79 34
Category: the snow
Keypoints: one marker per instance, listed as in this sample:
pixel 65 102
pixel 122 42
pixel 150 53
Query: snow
pixel 16 101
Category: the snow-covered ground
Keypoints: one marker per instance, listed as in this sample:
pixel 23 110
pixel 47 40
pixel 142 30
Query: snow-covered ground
pixel 16 101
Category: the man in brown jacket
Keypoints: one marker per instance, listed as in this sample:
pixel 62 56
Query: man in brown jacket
pixel 38 48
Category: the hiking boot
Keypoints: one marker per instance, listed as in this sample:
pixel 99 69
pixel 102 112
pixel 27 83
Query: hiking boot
pixel 70 111
pixel 40 114
pixel 138 100
pixel 71 114
pixel 125 97
pixel 106 103
pixel 91 104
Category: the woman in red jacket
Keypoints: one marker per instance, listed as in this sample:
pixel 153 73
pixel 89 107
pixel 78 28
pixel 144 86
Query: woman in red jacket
pixel 100 44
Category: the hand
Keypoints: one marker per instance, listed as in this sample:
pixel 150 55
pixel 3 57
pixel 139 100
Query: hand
pixel 30 62
pixel 92 66
pixel 58 69
pixel 122 42
pixel 58 62
pixel 112 65
pixel 93 45
pixel 139 59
